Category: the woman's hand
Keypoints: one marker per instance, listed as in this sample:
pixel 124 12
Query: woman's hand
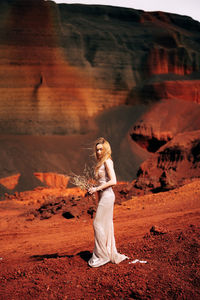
pixel 92 190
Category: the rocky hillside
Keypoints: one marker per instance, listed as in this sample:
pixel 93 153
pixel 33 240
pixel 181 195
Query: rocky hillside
pixel 173 164
pixel 62 64
pixel 82 71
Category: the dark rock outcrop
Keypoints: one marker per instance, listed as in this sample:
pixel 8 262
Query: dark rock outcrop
pixel 172 165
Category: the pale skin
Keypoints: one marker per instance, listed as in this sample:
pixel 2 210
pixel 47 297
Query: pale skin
pixel 110 171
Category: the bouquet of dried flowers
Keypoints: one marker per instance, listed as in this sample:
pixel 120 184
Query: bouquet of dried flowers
pixel 85 181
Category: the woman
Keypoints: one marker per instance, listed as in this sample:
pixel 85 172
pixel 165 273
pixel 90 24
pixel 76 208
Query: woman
pixel 104 249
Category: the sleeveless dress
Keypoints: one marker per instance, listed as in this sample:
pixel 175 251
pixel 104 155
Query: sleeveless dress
pixel 105 248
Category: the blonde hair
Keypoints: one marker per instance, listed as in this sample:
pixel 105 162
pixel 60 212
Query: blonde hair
pixel 106 153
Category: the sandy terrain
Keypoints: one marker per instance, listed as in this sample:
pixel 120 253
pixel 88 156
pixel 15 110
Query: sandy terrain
pixel 47 259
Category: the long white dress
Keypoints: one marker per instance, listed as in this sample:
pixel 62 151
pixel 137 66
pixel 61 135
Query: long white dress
pixel 105 248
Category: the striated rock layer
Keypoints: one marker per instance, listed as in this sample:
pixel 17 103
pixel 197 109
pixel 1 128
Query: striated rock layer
pixel 62 64
pixel 85 71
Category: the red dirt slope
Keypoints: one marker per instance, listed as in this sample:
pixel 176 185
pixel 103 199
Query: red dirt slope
pixel 48 258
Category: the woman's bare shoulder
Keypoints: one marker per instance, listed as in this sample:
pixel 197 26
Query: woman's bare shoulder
pixel 109 162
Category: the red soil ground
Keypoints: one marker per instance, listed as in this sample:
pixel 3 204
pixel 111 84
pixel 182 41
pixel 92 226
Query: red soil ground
pixel 47 259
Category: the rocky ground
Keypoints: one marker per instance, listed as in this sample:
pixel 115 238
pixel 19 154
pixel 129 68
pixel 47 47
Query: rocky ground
pixel 46 258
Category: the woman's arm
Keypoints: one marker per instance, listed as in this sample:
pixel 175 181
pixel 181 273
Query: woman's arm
pixel 111 175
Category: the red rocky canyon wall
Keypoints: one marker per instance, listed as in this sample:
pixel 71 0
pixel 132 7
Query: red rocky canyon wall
pixel 131 76
pixel 62 64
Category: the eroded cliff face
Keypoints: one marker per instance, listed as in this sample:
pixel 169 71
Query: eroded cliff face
pixel 172 165
pixel 40 92
pixel 163 121
pixel 170 132
pixel 130 76
pixel 63 64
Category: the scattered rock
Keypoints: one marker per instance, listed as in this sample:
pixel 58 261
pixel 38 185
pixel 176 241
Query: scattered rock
pixel 67 215
pixel 157 230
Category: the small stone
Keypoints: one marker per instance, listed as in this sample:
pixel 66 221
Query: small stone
pixel 157 230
